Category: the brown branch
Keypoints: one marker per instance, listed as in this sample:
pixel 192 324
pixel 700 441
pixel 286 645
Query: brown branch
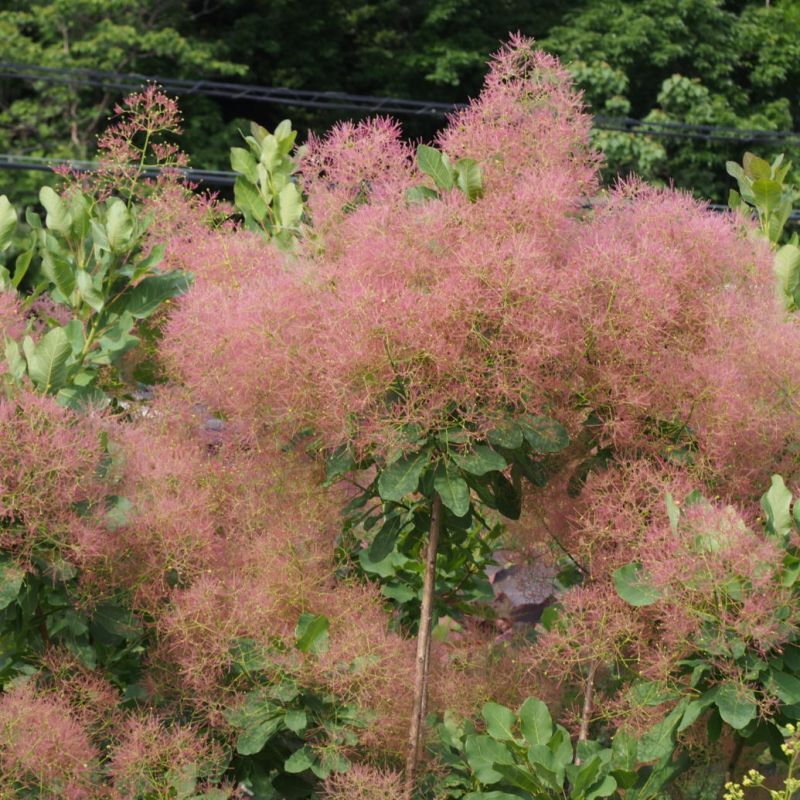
pixel 586 714
pixel 423 651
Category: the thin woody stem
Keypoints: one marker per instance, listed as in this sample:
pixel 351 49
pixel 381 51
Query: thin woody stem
pixel 586 714
pixel 423 651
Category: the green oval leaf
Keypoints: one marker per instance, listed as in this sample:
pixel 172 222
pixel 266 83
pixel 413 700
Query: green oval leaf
pixel 144 298
pixel 435 163
pixel 544 435
pixel 737 705
pixel 253 738
pixel 481 460
pixel 507 434
pixel 312 633
pixel 300 760
pixel 8 222
pixel 401 477
pixel 47 361
pixel 468 178
pixel 58 218
pixel 658 742
pixel 11 577
pixel 119 225
pixel 296 720
pixel 776 504
pixel 452 488
pixel 536 722
pixel 631 585
pixel 483 753
pixel 500 722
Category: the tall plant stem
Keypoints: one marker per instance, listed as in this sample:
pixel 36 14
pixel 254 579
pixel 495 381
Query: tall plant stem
pixel 586 714
pixel 423 650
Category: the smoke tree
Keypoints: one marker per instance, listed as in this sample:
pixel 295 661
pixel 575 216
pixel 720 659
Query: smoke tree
pixel 367 388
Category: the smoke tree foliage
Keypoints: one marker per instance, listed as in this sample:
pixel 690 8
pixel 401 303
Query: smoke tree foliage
pixel 389 362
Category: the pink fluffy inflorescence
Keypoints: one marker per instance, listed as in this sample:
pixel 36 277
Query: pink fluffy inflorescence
pixel 682 336
pixel 49 457
pixel 152 755
pixel 354 163
pixel 452 312
pixel 44 749
pixel 364 782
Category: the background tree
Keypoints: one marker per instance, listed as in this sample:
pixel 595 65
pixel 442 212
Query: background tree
pixel 717 62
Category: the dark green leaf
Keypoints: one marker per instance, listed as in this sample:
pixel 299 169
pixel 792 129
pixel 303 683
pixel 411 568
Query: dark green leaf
pixel 786 686
pixel 535 721
pixel 544 435
pixel 144 298
pixel 508 435
pixel 507 498
pixel 481 460
pixel 340 462
pixel 384 542
pixel 402 477
pixel 312 632
pixel 434 163
pixel 632 586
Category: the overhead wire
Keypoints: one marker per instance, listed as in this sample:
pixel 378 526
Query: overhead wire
pixel 207 177
pixel 370 104
pixel 329 100
pixel 33 163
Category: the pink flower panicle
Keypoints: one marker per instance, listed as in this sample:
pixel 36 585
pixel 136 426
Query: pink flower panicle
pixel 150 756
pixel 363 782
pixel 138 142
pixel 44 749
pixel 354 163
pixel 48 462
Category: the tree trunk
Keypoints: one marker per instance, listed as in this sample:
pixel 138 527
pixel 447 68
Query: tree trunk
pixel 423 651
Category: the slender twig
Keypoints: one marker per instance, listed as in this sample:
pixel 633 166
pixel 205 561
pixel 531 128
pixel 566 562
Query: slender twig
pixel 423 650
pixel 586 714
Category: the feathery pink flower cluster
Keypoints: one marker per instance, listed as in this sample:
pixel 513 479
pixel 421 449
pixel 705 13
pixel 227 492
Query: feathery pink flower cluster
pixel 48 463
pixel 43 749
pixel 716 579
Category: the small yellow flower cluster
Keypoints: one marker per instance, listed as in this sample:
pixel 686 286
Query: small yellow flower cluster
pixel 753 778
pixel 791 747
pixel 733 791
